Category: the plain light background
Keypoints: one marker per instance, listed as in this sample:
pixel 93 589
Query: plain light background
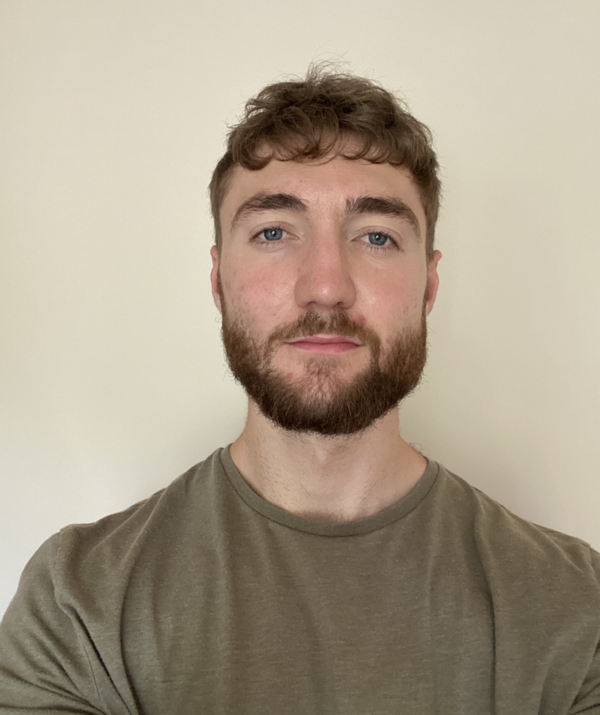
pixel 112 116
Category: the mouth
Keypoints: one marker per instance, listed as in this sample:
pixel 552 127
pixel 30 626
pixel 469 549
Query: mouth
pixel 324 344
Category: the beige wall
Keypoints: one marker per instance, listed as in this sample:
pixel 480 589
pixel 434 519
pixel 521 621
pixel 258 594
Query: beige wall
pixel 113 112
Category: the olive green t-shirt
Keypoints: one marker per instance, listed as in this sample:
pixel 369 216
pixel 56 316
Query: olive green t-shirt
pixel 207 600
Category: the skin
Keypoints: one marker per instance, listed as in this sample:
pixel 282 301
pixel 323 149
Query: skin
pixel 324 261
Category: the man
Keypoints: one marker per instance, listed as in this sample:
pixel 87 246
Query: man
pixel 319 564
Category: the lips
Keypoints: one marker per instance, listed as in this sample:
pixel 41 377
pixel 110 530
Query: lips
pixel 328 344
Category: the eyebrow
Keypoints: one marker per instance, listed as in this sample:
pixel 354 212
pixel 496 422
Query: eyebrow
pixel 267 202
pixel 382 205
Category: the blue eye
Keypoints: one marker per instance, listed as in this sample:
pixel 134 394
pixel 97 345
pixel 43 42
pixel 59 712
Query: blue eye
pixel 377 238
pixel 273 234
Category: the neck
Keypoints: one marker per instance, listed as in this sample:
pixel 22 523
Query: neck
pixel 341 478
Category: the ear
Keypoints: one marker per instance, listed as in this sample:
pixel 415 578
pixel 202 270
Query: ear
pixel 214 277
pixel 433 281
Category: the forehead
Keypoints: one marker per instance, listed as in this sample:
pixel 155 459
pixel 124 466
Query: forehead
pixel 324 185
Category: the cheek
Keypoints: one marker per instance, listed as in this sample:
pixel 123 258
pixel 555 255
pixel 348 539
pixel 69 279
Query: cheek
pixel 394 296
pixel 392 306
pixel 256 294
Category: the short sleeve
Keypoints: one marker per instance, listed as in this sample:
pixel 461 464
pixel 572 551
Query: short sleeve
pixel 45 661
pixel 588 700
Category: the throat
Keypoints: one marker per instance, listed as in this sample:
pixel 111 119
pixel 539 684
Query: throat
pixel 333 480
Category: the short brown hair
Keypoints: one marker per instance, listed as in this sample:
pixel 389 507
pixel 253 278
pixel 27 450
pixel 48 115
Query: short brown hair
pixel 310 118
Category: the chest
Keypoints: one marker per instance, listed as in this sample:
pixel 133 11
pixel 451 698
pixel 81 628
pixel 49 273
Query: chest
pixel 293 630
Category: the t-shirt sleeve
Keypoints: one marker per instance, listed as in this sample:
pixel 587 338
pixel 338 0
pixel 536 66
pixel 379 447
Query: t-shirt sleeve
pixel 47 663
pixel 588 700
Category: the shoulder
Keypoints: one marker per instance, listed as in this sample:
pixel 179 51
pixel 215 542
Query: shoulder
pixel 123 543
pixel 516 550
pixel 542 586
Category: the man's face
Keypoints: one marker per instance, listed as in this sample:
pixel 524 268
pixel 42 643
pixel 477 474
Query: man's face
pixel 324 288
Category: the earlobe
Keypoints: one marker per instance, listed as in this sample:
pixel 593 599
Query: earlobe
pixel 433 281
pixel 214 277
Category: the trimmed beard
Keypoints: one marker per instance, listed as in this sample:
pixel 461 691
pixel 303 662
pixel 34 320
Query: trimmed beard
pixel 319 401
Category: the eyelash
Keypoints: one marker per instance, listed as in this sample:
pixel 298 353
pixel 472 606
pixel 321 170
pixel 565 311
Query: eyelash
pixel 256 237
pixel 391 245
pixel 388 247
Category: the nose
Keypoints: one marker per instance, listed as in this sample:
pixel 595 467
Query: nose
pixel 324 275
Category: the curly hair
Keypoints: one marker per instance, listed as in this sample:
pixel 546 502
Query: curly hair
pixel 324 113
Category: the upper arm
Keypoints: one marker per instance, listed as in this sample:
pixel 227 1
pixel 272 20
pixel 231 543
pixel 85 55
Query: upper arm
pixel 588 699
pixel 45 663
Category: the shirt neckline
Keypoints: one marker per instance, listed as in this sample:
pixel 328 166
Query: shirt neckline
pixel 387 516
